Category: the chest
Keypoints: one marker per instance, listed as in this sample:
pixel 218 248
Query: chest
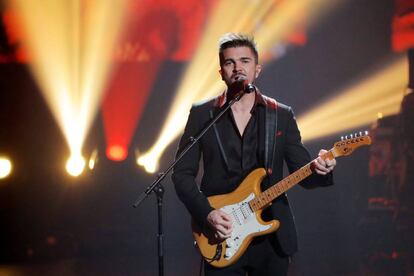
pixel 241 120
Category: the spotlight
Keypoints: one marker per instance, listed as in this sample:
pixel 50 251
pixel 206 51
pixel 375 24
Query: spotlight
pixel 93 159
pixel 75 165
pixel 70 44
pixel 149 162
pixel 5 167
pixel 116 152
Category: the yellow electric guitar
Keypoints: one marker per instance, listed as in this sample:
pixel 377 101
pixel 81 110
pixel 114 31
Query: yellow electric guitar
pixel 246 203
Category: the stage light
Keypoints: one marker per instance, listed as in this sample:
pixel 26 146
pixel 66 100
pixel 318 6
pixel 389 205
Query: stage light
pixel 157 31
pixel 5 167
pixel 93 160
pixel 116 152
pixel 271 22
pixel 75 165
pixel 378 95
pixel 69 44
pixel 149 162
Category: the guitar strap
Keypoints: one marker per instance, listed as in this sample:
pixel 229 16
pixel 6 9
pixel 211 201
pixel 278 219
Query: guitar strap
pixel 270 137
pixel 219 142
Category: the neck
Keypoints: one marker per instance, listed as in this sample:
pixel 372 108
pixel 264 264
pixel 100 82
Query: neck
pixel 245 104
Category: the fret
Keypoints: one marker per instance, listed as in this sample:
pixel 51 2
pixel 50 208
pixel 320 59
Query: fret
pixel 266 196
pixel 277 188
pixel 269 195
pixel 282 186
pixel 253 205
pixel 287 184
pixel 272 193
pixel 259 206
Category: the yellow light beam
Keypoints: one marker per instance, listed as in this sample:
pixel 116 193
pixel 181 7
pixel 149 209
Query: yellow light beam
pixel 69 44
pixel 287 17
pixel 269 21
pixel 359 104
pixel 195 85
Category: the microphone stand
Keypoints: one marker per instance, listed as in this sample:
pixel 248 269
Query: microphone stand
pixel 157 187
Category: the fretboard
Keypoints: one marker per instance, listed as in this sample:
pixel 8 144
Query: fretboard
pixel 263 199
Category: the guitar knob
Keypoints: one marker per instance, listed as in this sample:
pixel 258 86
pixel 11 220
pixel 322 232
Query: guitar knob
pixel 229 253
pixel 229 244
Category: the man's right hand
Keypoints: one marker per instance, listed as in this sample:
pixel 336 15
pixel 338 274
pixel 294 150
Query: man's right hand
pixel 221 223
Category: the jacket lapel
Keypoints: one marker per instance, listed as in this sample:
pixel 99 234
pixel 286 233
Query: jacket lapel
pixel 270 128
pixel 219 102
pixel 270 136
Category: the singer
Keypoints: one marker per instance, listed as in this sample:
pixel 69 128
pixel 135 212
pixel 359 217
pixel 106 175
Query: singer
pixel 257 132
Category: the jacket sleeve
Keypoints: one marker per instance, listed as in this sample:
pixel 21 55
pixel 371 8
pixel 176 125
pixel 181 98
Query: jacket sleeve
pixel 185 173
pixel 296 155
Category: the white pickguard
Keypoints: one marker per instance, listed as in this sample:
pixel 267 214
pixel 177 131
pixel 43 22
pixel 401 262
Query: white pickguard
pixel 244 224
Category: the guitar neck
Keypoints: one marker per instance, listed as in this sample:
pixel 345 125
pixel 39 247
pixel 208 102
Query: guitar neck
pixel 263 199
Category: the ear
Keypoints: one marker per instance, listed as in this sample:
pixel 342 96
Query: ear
pixel 221 74
pixel 258 70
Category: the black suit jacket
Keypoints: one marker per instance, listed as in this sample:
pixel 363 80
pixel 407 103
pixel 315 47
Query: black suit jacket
pixel 280 142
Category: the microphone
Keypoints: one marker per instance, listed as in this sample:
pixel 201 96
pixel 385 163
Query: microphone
pixel 246 86
pixel 241 85
pixel 249 88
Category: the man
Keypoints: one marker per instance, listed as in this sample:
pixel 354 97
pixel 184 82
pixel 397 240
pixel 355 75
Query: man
pixel 256 132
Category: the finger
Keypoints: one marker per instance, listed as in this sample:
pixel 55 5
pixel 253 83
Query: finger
pixel 217 216
pixel 225 221
pixel 321 172
pixel 322 152
pixel 320 169
pixel 321 165
pixel 331 163
pixel 224 228
pixel 321 161
pixel 220 236
pixel 228 226
pixel 223 232
pixel 225 216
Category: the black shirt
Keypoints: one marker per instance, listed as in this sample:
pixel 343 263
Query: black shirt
pixel 242 150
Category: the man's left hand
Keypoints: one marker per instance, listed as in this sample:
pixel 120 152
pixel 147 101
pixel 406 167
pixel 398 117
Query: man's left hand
pixel 323 167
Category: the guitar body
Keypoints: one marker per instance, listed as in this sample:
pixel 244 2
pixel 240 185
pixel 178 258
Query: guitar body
pixel 247 224
pixel 246 203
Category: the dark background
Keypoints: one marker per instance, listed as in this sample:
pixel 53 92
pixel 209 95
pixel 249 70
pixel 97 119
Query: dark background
pixel 54 224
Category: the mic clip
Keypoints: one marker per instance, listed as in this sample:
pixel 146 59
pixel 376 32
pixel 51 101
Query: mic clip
pixel 249 88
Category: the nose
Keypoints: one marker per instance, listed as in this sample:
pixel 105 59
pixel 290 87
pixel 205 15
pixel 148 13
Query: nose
pixel 236 67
